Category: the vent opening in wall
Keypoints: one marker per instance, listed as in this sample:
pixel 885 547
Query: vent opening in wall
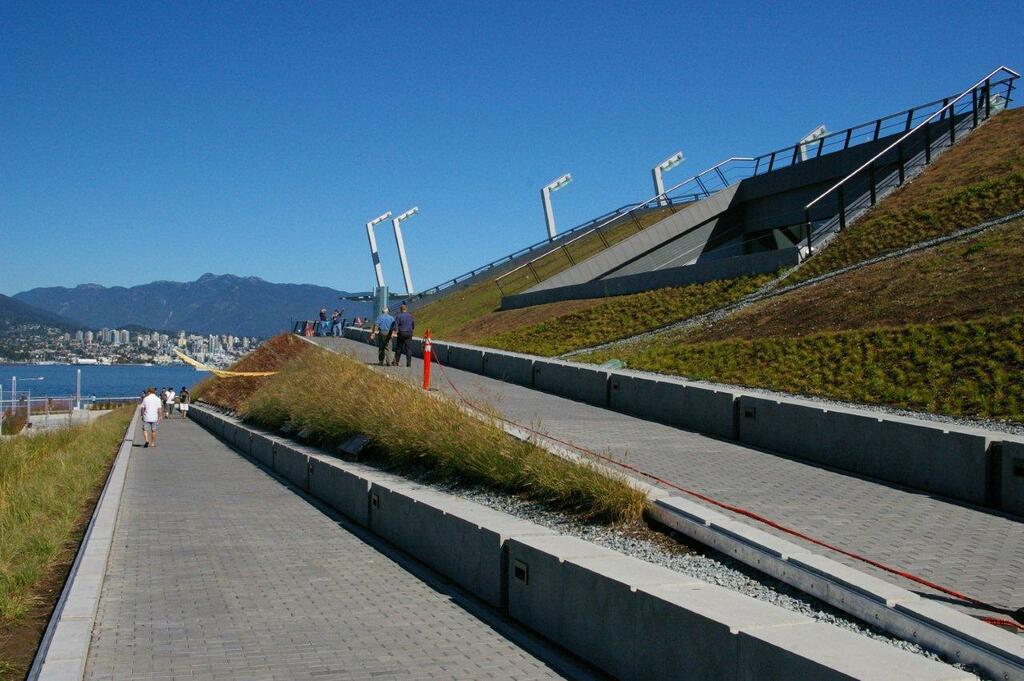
pixel 749 412
pixel 521 571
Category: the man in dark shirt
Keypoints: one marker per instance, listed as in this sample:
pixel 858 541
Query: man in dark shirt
pixel 404 324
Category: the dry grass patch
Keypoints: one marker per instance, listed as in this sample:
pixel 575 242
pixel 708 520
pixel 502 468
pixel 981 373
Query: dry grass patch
pixel 229 392
pixel 330 397
pixel 46 483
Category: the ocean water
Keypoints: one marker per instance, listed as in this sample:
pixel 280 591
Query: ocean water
pixel 119 380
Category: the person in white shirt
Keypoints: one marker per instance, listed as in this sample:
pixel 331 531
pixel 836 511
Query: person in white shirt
pixel 169 402
pixel 150 416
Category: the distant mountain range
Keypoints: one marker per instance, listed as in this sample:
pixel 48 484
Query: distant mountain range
pixel 243 306
pixel 14 312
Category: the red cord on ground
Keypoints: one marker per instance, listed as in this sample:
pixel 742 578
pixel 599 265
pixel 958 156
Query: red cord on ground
pixel 997 621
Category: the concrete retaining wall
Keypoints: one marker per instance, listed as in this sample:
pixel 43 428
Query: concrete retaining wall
pixel 465 357
pixel 509 367
pixel 292 464
pixel 580 382
pixel 674 403
pixel 1011 477
pixel 913 454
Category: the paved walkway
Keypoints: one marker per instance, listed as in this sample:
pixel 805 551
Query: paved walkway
pixel 220 571
pixel 971 550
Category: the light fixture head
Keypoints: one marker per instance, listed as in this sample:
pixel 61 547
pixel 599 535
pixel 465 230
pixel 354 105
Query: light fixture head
pixel 672 161
pixel 559 183
pixel 378 219
pixel 408 214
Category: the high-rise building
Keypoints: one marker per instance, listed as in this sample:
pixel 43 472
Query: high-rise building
pixel 79 336
pixel 88 337
pixel 126 337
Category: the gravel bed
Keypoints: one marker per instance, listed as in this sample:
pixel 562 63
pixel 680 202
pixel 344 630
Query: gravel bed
pixel 697 561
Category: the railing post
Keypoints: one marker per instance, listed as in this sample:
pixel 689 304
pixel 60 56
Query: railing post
pixel 771 163
pixel 568 255
pixel 988 97
pixel 974 108
pixel 500 290
pixel 535 275
pixel 821 145
pixel 600 233
pixel 900 161
pixel 910 119
pixel 639 227
pixel 842 209
pixel 807 226
pixel 796 155
pixel 927 143
pixel 878 129
pixel 871 180
pixel 952 125
pixel 849 134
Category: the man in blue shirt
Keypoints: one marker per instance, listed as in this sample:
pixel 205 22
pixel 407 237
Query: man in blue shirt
pixel 382 329
pixel 404 324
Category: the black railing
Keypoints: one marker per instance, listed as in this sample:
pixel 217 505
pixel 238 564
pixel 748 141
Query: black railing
pixel 920 135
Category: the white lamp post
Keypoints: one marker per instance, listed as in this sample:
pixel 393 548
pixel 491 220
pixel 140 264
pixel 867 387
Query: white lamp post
pixel 377 271
pixel 663 167
pixel 545 196
pixel 812 136
pixel 395 224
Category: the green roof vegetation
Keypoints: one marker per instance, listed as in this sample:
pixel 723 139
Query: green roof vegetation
pixel 607 319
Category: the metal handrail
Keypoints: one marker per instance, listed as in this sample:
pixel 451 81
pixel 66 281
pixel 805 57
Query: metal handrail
pixel 949 105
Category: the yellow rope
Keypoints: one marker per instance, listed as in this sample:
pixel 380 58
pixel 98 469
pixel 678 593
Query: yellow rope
pixel 220 373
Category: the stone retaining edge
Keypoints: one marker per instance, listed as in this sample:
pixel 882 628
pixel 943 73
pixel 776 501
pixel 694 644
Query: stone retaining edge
pixel 516 566
pixel 64 648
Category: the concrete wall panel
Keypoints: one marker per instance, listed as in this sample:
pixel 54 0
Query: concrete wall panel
pixel 913 454
pixel 674 403
pixel 466 358
pixel 292 464
pixel 509 367
pixel 263 450
pixel 343 490
pixel 242 440
pixel 1011 477
pixel 580 383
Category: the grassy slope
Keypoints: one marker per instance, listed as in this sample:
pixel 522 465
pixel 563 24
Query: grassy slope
pixel 570 327
pixel 46 481
pixel 446 316
pixel 270 356
pixel 960 368
pixel 980 178
pixel 982 276
pixel 330 397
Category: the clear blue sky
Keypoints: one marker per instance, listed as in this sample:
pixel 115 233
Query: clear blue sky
pixel 143 141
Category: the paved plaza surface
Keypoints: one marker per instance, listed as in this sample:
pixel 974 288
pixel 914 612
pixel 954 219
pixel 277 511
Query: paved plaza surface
pixel 975 551
pixel 218 570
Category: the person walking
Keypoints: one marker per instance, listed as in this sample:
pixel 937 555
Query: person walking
pixel 336 322
pixel 183 401
pixel 382 329
pixel 150 416
pixel 404 324
pixel 321 327
pixel 169 402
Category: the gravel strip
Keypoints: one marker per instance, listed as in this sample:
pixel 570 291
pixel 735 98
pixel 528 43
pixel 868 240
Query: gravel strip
pixel 698 561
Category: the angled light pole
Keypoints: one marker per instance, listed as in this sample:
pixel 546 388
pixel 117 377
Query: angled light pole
pixel 377 271
pixel 663 167
pixel 396 225
pixel 545 196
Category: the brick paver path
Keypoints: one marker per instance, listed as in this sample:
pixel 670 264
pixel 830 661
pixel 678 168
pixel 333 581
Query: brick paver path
pixel 220 571
pixel 972 550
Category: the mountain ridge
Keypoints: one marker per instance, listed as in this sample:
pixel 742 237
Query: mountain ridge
pixel 213 303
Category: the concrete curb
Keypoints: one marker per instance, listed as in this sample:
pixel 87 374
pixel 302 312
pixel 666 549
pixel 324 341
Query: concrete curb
pixel 623 615
pixel 64 649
